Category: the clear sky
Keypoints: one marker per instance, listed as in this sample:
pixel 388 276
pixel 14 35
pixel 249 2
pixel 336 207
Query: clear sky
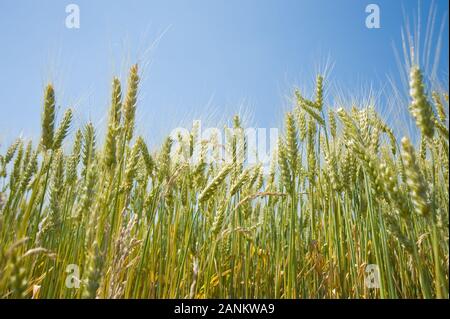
pixel 211 57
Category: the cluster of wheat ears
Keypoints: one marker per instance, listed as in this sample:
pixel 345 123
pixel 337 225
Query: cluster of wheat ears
pixel 341 193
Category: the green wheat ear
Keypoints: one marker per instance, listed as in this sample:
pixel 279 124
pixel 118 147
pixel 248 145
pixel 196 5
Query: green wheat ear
pixel 414 179
pixel 148 159
pixel 420 106
pixel 129 106
pixel 63 129
pixel 116 103
pixel 291 142
pixel 48 118
pixel 11 151
pixel 214 184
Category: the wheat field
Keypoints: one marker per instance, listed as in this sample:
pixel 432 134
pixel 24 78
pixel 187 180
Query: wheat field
pixel 119 220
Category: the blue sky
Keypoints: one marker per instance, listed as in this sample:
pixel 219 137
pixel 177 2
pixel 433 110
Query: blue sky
pixel 209 58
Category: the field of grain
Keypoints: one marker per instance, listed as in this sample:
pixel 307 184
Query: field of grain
pixel 119 220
